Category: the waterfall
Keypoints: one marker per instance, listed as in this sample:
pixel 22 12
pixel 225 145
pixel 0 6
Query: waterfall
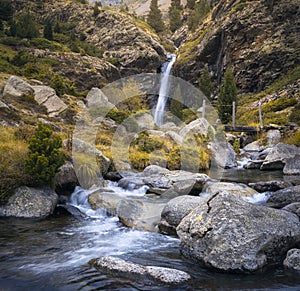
pixel 163 89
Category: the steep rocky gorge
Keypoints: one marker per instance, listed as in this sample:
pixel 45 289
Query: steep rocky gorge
pixel 258 40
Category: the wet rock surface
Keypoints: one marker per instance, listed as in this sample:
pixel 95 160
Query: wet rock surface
pixel 119 267
pixel 231 235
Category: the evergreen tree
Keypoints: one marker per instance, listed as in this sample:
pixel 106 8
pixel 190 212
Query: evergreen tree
pixel 199 12
pixel 175 15
pixel 96 9
pixel 44 155
pixel 6 10
pixel 190 4
pixel 154 18
pixel 205 84
pixel 26 27
pixel 13 28
pixel 228 94
pixel 57 28
pixel 48 33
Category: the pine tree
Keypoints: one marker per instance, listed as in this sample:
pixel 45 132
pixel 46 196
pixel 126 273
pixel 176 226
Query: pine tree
pixel 57 28
pixel 44 155
pixel 154 18
pixel 96 9
pixel 175 15
pixel 190 4
pixel 228 94
pixel 199 12
pixel 48 33
pixel 6 10
pixel 26 27
pixel 205 84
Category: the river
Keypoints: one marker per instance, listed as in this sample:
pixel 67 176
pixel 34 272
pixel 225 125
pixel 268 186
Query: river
pixel 53 254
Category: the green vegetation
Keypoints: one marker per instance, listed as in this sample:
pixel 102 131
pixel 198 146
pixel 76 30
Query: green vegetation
pixel 199 12
pixel 13 153
pixel 154 18
pixel 279 111
pixel 45 156
pixel 175 15
pixel 228 94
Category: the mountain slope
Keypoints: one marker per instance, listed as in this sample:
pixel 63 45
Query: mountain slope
pixel 257 40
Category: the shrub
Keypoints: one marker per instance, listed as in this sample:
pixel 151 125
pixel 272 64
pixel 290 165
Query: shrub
pixel 45 156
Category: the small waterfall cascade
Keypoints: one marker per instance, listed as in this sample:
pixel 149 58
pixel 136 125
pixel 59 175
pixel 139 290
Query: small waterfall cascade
pixel 164 89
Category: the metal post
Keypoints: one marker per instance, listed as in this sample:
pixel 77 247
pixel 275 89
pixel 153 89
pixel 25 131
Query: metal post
pixel 203 109
pixel 233 114
pixel 260 115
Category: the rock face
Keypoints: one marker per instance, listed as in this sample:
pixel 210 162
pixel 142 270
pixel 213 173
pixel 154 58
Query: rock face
pixel 278 156
pixel 232 235
pixel 16 87
pixel 246 38
pixel 30 203
pixel 292 260
pixel 175 210
pixel 131 47
pixel 47 97
pixel 119 267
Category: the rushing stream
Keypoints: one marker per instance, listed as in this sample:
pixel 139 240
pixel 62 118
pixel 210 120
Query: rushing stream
pixel 53 254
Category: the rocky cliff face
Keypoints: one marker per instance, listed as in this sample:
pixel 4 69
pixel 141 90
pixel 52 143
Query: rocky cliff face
pixel 126 42
pixel 258 40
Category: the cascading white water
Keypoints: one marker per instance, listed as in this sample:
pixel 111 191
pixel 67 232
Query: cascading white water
pixel 163 89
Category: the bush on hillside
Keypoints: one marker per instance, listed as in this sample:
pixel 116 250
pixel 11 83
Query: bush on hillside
pixel 45 156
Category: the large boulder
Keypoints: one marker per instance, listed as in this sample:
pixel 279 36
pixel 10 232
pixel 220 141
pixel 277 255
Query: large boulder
pixel 232 235
pixel 292 260
pixel 119 267
pixel 284 197
pixel 135 212
pixel 16 88
pixel 269 186
pixel 96 98
pixel 160 179
pixel 236 189
pixel 175 210
pixel 30 202
pixel 294 208
pixel 292 166
pixel 65 180
pixel 278 156
pixel 198 126
pixel 47 97
pixel 223 154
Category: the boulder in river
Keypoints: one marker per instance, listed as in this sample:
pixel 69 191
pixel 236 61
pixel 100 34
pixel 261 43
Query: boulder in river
pixel 65 180
pixel 236 189
pixel 223 154
pixel 175 210
pixel 292 260
pixel 278 156
pixel 292 166
pixel 294 208
pixel 119 267
pixel 232 235
pixel 284 197
pixel 30 202
pixel 269 186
